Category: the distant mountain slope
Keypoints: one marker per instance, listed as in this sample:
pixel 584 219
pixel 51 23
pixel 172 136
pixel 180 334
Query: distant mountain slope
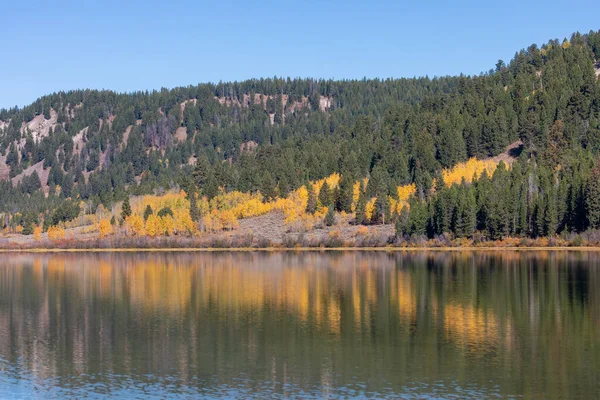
pixel 273 135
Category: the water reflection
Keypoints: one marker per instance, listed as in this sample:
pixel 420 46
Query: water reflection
pixel 307 324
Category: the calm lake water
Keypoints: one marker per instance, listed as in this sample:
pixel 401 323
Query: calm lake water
pixel 415 325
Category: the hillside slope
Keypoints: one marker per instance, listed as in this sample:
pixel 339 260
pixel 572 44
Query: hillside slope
pixel 273 136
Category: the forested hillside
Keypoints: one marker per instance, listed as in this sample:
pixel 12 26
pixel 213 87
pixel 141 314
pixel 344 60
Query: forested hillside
pixel 393 146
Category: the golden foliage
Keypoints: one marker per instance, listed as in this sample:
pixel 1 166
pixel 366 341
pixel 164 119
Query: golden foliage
pixel 153 227
pixel 370 208
pixel 56 233
pixel 404 193
pixel 105 227
pixel 332 180
pixel 468 170
pixel 220 220
pixel 135 225
pixel 167 225
pixel 183 223
pixel 37 233
pixel 174 201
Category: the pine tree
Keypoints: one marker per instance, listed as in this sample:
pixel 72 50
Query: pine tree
pixel 550 217
pixel 148 212
pixel 361 208
pixel 417 220
pixel 470 213
pixel 330 216
pixel 267 188
pixel 401 226
pixel 125 209
pixel 592 198
pixel 325 197
pixel 379 214
pixel 283 187
pixel 344 200
pixel 194 210
pixel 202 172
pixel 311 204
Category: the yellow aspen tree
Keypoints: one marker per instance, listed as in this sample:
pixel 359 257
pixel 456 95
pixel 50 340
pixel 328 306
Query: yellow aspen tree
pixel 105 228
pixel 370 208
pixel 37 233
pixel 153 225
pixel 167 224
pixel 135 225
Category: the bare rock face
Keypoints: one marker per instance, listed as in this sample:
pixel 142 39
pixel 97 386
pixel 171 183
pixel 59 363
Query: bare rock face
pixel 4 169
pixel 40 127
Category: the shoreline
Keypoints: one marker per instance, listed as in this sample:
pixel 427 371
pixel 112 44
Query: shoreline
pixel 297 249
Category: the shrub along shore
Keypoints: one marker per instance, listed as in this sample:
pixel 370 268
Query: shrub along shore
pixel 589 240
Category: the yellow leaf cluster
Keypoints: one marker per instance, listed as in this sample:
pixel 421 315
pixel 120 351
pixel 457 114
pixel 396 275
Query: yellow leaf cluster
pixel 403 194
pixel 105 228
pixel 56 233
pixel 300 197
pixel 135 225
pixel 219 220
pixel 167 225
pixel 468 170
pixel 332 180
pixel 153 227
pixel 183 223
pixel 355 194
pixel 175 201
pixel 251 208
pixel 37 233
pixel 370 208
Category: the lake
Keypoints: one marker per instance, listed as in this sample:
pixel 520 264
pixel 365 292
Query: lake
pixel 308 324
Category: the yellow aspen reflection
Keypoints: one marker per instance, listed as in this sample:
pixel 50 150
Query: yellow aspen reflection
pixel 405 297
pixel 466 325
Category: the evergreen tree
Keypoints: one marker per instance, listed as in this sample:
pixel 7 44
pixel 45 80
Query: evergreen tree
pixel 194 210
pixel 401 227
pixel 148 212
pixel 330 216
pixel 361 208
pixel 202 173
pixel 592 198
pixel 125 209
pixel 311 205
pixel 380 211
pixel 344 200
pixel 268 189
pixel 325 197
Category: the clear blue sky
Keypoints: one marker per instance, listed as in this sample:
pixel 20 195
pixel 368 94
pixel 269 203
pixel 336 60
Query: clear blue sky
pixel 132 45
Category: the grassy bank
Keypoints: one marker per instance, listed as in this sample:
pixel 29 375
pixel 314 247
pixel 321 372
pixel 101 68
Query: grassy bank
pixel 299 249
pixel 242 243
